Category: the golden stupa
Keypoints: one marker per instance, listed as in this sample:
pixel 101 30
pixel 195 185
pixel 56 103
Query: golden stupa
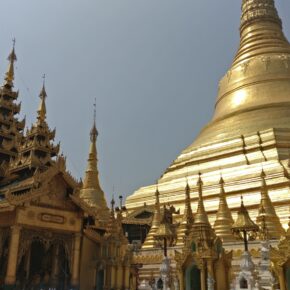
pixel 249 131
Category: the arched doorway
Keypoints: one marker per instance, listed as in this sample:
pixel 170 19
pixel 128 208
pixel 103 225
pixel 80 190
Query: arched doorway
pixel 192 278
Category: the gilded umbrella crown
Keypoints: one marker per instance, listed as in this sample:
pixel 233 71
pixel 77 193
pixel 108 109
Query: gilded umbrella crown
pixel 244 222
pixel 9 76
pixel 165 227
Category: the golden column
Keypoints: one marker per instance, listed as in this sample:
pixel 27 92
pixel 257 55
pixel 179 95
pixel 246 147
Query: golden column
pixel 181 279
pixel 281 277
pixel 203 281
pixel 75 278
pixel 55 265
pixel 127 277
pixel 10 278
pixel 113 276
pixel 119 277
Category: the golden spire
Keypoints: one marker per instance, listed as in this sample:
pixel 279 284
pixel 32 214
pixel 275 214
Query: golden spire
pixel 267 213
pixel 224 220
pixel 91 190
pixel 41 112
pixel 156 217
pixel 201 215
pixel 257 85
pixel 187 215
pixel 149 242
pixel 187 220
pixel 9 76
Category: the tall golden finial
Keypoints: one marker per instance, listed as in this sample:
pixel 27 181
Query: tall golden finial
pixel 156 217
pixel 224 220
pixel 267 213
pixel 9 76
pixel 41 112
pixel 113 204
pixel 91 179
pixel 91 190
pixel 94 132
pixel 201 215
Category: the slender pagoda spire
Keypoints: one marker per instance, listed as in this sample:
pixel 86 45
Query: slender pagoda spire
pixel 41 112
pixel 201 228
pixel 224 220
pixel 201 215
pixel 91 190
pixel 149 242
pixel 187 219
pixel 9 76
pixel 267 213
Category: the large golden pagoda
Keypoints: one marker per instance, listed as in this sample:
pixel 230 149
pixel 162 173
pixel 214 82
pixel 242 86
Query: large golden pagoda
pixel 250 129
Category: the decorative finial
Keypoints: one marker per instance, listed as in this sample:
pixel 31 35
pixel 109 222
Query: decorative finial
pixel 9 76
pixel 42 107
pixel 121 201
pixel 94 132
pixel 95 110
pixel 112 204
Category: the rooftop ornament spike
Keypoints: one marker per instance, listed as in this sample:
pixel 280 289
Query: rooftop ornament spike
pixel 41 112
pixel 9 76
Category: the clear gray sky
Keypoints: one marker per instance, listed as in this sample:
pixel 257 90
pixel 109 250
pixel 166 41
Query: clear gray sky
pixel 153 66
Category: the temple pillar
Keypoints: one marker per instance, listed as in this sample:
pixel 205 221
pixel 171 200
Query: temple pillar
pixel 55 266
pixel 210 279
pixel 75 272
pixel 203 280
pixel 108 277
pixel 127 278
pixel 181 279
pixel 113 276
pixel 281 277
pixel 119 276
pixel 10 278
pixel 27 263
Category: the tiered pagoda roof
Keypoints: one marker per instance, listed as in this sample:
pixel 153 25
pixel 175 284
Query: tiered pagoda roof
pixel 11 129
pixel 36 150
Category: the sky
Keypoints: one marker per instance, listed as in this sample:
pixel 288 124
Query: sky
pixel 152 65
